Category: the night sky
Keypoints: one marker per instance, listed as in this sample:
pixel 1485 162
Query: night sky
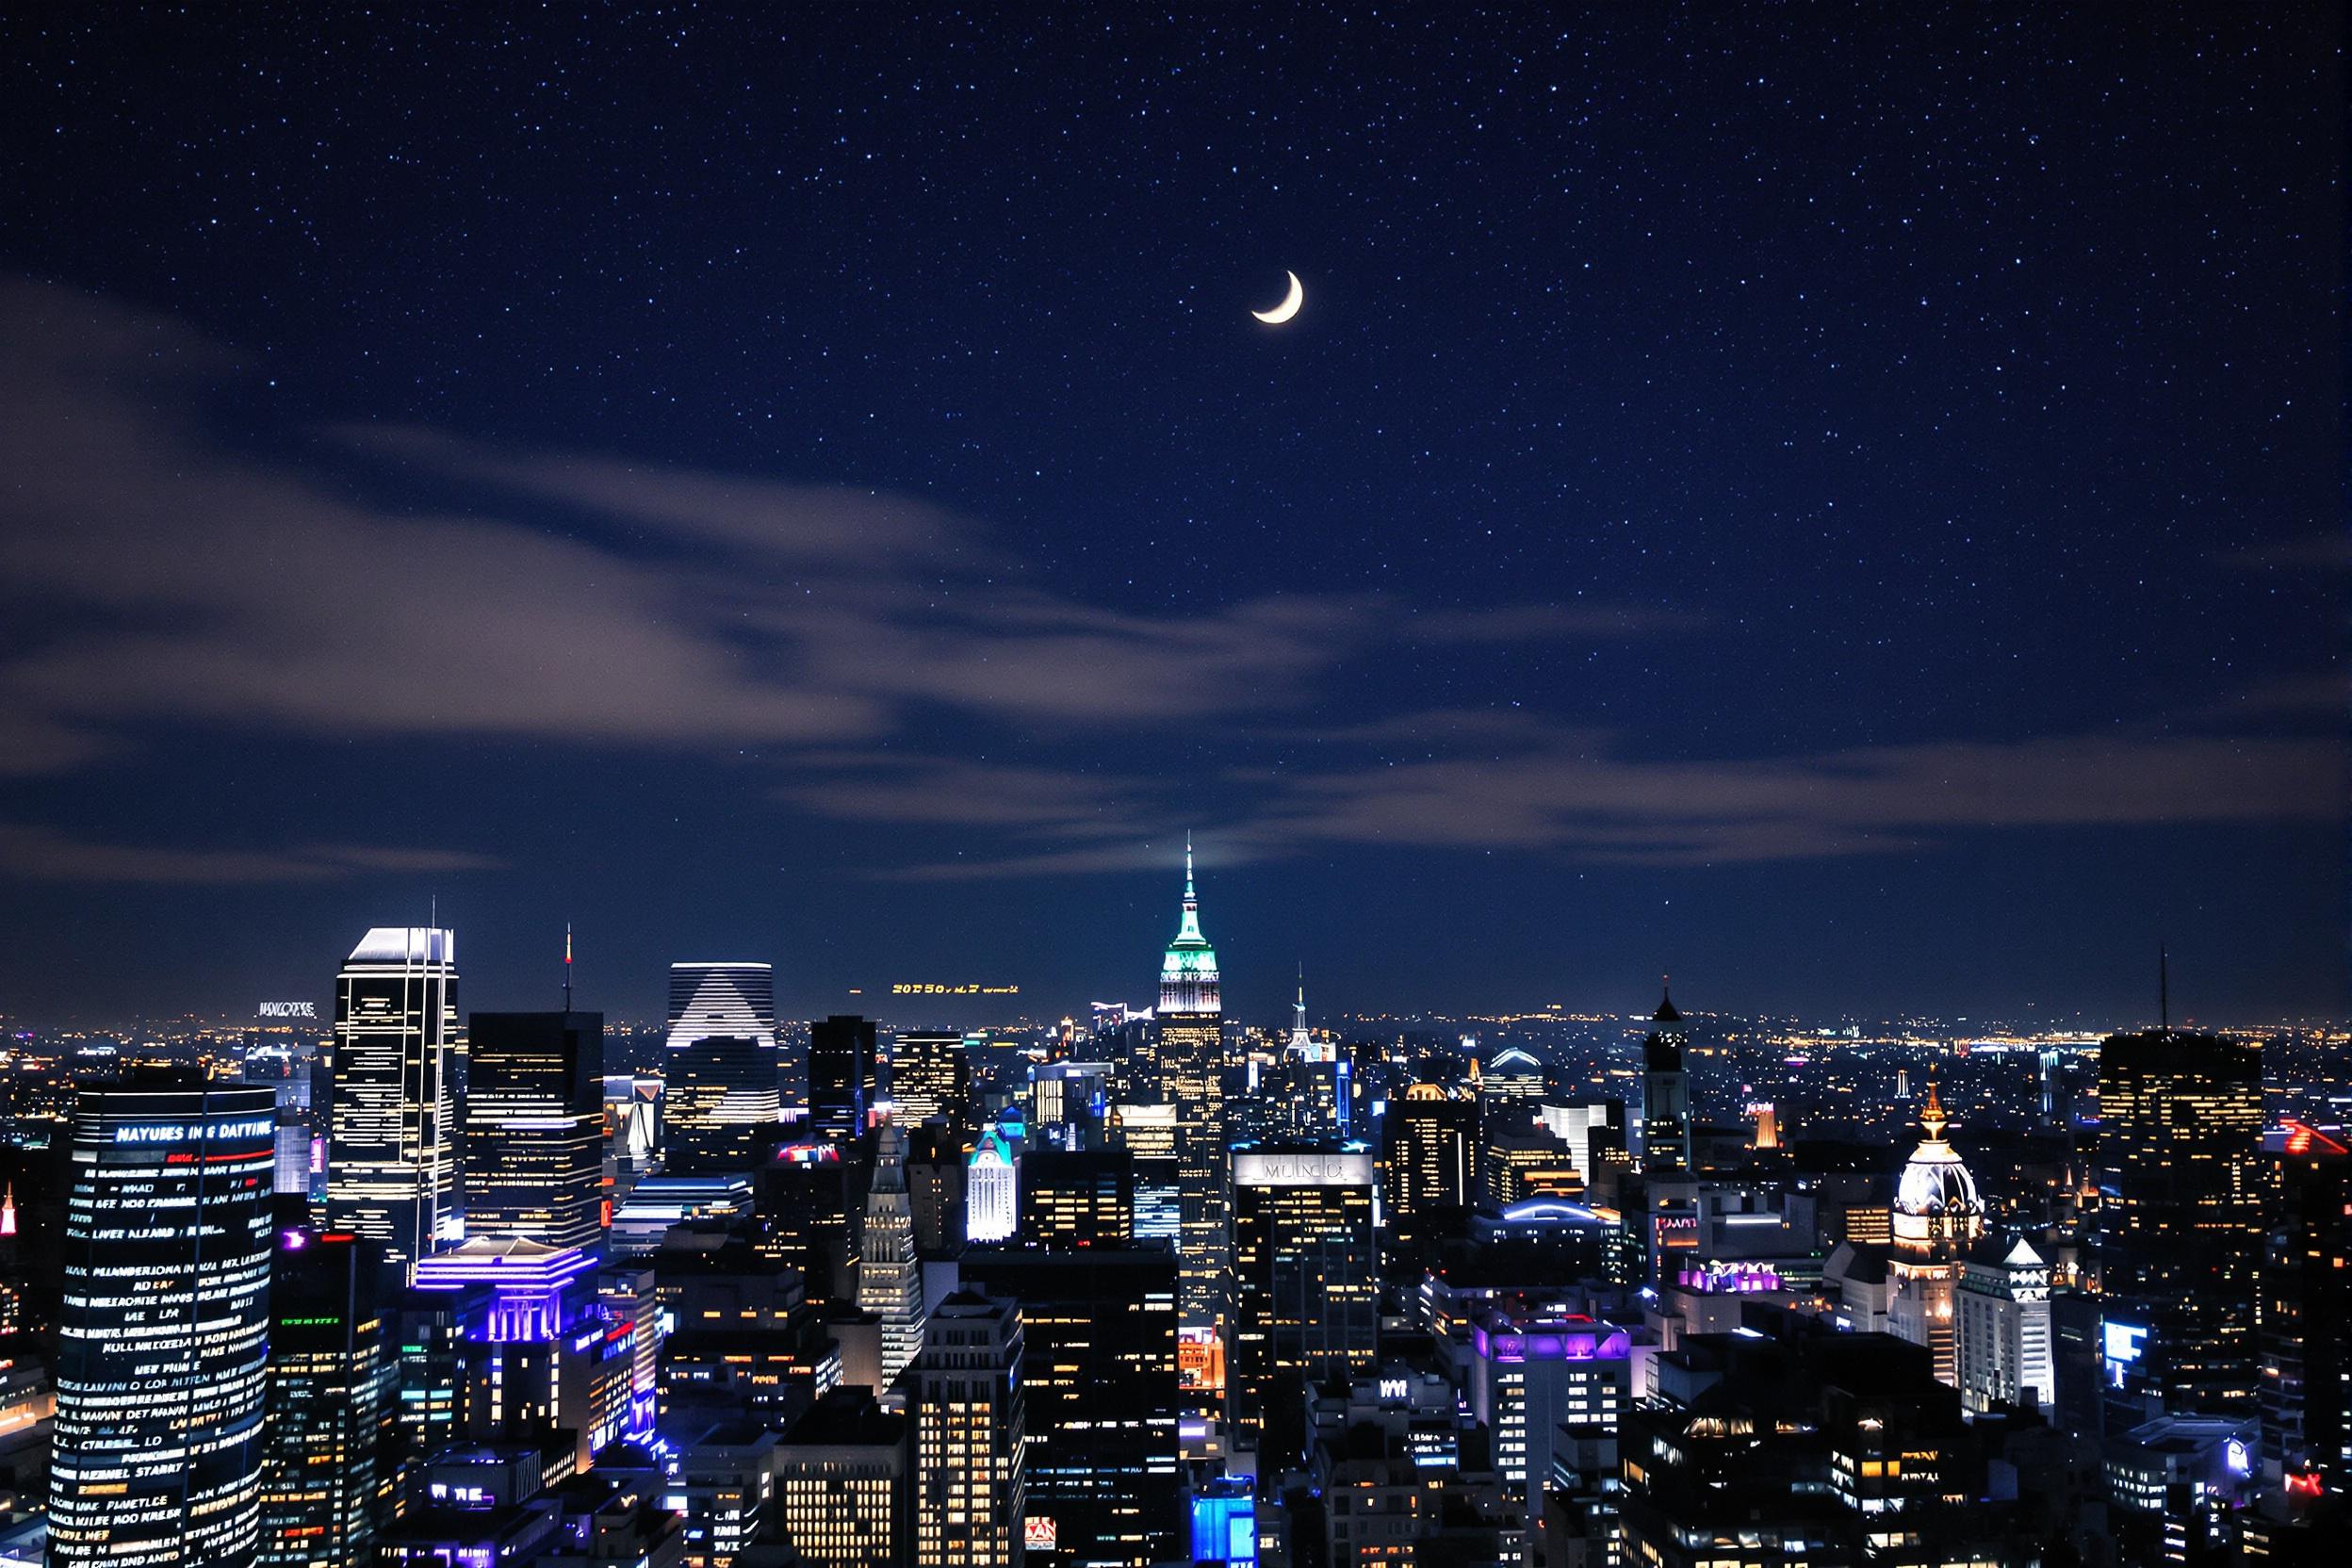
pixel 1840 505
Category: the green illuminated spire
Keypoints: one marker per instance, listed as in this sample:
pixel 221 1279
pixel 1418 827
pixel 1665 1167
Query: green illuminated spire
pixel 1188 982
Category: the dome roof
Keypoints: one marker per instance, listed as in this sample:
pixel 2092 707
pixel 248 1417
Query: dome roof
pixel 1935 1182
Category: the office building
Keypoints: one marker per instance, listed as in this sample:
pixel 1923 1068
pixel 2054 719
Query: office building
pixel 1429 1167
pixel 1100 1395
pixel 931 1079
pixel 992 1190
pixel 399 1051
pixel 1191 1060
pixel 889 1279
pixel 1083 1198
pixel 2306 1315
pixel 1520 1159
pixel 2178 1238
pixel 541 1360
pixel 1304 1288
pixel 163 1333
pixel 720 1107
pixel 1508 1084
pixel 841 1077
pixel 534 1128
pixel 843 1498
pixel 1586 1126
pixel 329 1382
pixel 970 1474
pixel 1528 1371
pixel 2001 1343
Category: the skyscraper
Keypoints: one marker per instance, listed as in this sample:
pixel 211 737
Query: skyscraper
pixel 992 1190
pixel 2178 1237
pixel 1305 1288
pixel 328 1382
pixel 1430 1158
pixel 841 1077
pixel 534 1128
pixel 931 1077
pixel 1099 1401
pixel 2002 1345
pixel 2307 1310
pixel 720 1108
pixel 163 1339
pixel 392 1159
pixel 890 1280
pixel 971 1488
pixel 1191 1064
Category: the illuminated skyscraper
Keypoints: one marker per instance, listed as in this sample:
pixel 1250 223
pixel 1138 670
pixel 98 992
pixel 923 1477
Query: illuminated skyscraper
pixel 1099 1401
pixel 841 1077
pixel 1305 1288
pixel 2178 1237
pixel 1429 1166
pixel 163 1339
pixel 1191 1064
pixel 931 1076
pixel 534 1128
pixel 328 1382
pixel 2001 1342
pixel 890 1280
pixel 720 1108
pixel 392 1159
pixel 992 1190
pixel 971 1470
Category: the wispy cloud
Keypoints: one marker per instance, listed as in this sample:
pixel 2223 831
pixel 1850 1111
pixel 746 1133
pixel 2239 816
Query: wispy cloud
pixel 43 854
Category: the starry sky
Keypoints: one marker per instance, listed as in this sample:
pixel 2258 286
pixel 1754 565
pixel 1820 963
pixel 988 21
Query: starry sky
pixel 1842 505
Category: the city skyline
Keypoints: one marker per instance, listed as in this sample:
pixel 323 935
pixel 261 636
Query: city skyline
pixel 771 506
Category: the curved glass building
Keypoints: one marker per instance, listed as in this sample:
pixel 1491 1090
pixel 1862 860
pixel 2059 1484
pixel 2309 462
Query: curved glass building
pixel 163 1342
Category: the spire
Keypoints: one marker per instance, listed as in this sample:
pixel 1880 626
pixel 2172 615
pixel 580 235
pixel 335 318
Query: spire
pixel 2163 988
pixel 1666 1013
pixel 1188 932
pixel 567 965
pixel 1932 1117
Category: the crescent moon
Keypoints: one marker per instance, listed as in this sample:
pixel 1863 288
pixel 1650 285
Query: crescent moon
pixel 1288 308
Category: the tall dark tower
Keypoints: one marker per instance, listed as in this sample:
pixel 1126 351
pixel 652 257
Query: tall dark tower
pixel 841 1078
pixel 2179 1241
pixel 1191 1059
pixel 1665 1095
pixel 534 1128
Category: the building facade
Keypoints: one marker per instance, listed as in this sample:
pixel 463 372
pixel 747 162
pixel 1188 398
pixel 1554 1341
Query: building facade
pixel 162 1367
pixel 398 1052
pixel 971 1448
pixel 1191 1060
pixel 1304 1287
pixel 534 1128
pixel 719 1104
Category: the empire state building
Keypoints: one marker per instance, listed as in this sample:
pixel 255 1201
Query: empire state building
pixel 1191 1055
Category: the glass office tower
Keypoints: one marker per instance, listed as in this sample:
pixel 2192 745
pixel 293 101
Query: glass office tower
pixel 163 1339
pixel 399 1049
